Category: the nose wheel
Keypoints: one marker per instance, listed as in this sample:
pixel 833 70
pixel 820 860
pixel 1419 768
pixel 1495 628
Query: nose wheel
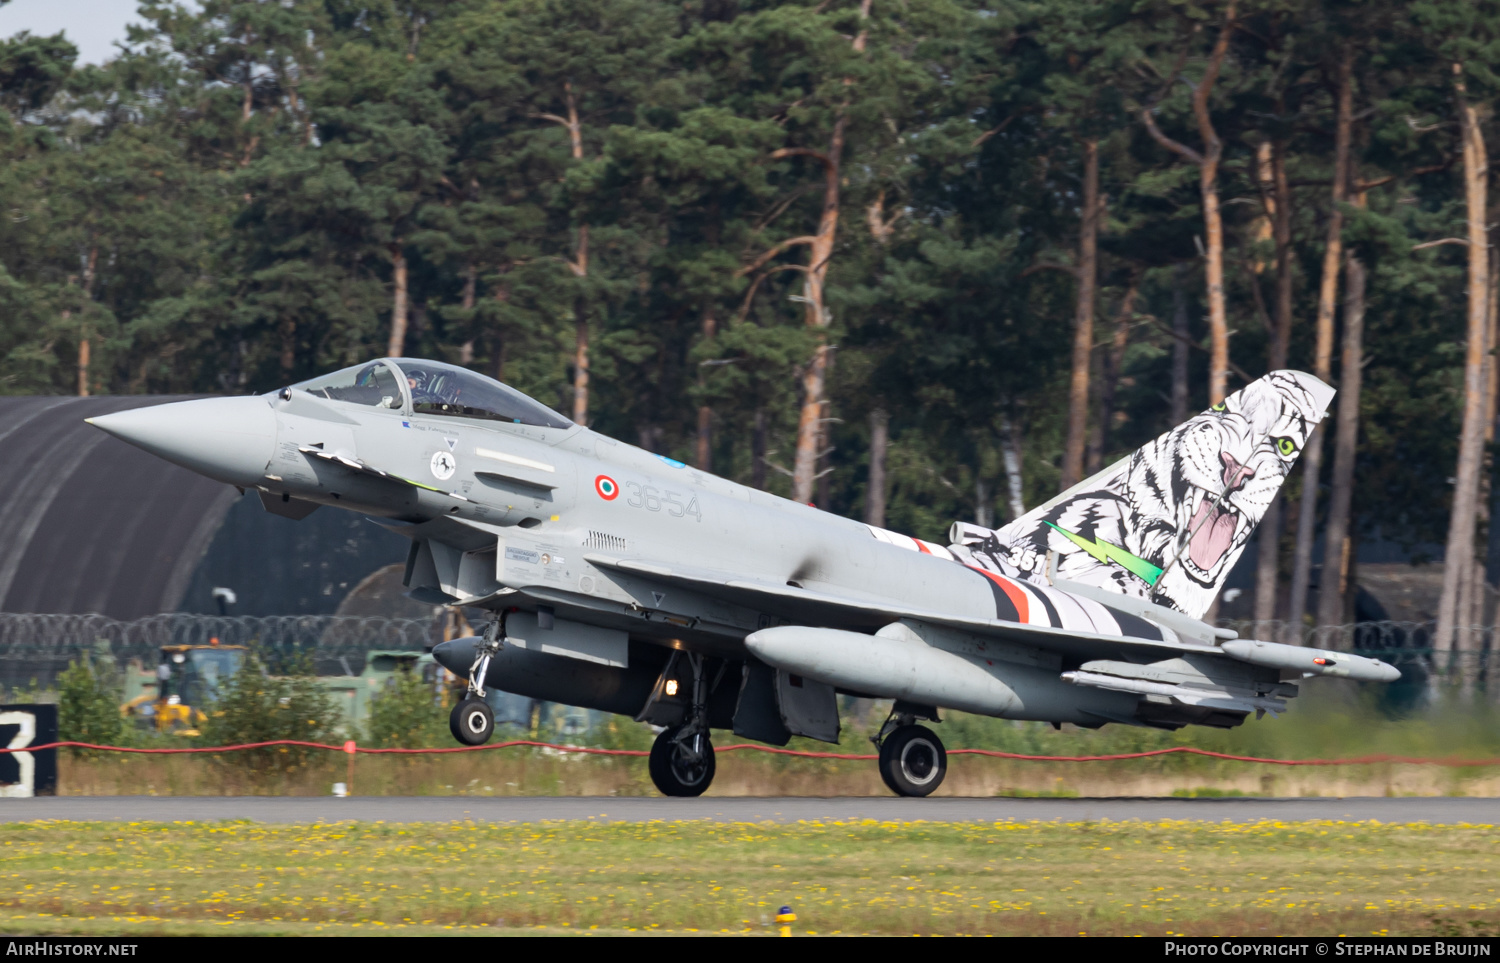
pixel 913 760
pixel 682 762
pixel 472 722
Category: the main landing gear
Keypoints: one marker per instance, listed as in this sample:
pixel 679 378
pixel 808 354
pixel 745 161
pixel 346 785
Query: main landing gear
pixel 682 758
pixel 913 761
pixel 472 722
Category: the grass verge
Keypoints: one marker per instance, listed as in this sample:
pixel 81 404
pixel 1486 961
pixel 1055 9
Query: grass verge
pixel 1191 878
pixel 1333 721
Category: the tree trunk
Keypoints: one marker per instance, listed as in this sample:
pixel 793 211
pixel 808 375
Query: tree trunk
pixel 1179 350
pixel 703 458
pixel 1218 318
pixel 758 451
pixel 1208 187
pixel 1010 454
pixel 1480 588
pixel 398 304
pixel 1312 457
pixel 580 362
pixel 1331 593
pixel 1492 552
pixel 815 377
pixel 1464 576
pixel 1281 227
pixel 471 283
pixel 502 295
pixel 1083 320
pixel 579 265
pixel 1460 547
pixel 1267 565
pixel 90 271
pixel 820 252
pixel 880 439
pixel 83 367
pixel 825 451
pixel 288 346
pixel 1109 379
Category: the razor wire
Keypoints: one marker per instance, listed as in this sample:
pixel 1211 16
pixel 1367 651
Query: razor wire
pixel 36 647
pixel 40 645
pixel 1399 643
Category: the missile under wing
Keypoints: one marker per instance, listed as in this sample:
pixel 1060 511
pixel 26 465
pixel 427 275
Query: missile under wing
pixel 628 582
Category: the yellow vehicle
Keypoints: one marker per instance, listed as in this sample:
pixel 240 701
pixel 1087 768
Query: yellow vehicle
pixel 170 697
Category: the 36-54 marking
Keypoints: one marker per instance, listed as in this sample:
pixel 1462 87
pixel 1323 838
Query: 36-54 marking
pixel 653 499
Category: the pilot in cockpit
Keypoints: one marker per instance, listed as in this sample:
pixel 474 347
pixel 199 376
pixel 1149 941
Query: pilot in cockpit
pixel 431 388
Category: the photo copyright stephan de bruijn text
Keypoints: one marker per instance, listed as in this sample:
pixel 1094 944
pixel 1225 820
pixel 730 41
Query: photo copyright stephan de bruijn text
pixel 1319 948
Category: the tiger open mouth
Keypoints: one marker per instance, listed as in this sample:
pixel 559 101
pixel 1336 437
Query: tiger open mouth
pixel 1212 528
pixel 1212 532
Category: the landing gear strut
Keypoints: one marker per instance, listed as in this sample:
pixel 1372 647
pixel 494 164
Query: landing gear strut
pixel 472 723
pixel 682 758
pixel 913 761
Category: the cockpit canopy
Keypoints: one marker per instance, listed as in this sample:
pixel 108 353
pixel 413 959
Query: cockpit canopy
pixel 432 388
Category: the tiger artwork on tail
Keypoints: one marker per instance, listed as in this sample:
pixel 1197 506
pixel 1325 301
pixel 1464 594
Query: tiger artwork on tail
pixel 1169 522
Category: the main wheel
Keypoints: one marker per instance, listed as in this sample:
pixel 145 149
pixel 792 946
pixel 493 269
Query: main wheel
pixel 913 761
pixel 673 772
pixel 472 722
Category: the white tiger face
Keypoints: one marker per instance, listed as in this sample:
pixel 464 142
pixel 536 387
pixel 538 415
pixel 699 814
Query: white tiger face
pixel 1197 493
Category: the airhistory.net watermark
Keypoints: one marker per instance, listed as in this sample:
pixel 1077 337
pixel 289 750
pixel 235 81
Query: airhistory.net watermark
pixel 42 947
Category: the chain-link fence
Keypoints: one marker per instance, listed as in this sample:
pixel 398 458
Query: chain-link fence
pixel 34 648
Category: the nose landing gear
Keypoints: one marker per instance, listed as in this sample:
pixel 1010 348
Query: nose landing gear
pixel 472 722
pixel 913 761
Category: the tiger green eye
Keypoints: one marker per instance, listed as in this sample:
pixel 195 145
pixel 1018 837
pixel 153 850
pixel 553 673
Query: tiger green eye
pixel 1221 407
pixel 1286 446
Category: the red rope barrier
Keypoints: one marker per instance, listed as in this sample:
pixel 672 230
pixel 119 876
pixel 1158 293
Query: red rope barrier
pixel 591 750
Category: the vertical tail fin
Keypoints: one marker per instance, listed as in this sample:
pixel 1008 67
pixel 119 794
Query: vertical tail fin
pixel 1168 523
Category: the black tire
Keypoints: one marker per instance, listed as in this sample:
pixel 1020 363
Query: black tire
pixel 675 776
pixel 913 761
pixel 472 722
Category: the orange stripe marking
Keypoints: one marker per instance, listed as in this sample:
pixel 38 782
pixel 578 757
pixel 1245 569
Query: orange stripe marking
pixel 1012 591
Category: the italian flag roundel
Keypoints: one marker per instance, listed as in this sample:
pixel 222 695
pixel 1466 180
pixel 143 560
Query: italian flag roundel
pixel 606 487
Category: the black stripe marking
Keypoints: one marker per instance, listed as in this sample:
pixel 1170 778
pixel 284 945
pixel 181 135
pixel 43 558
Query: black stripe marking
pixel 1053 619
pixel 1136 627
pixel 1005 609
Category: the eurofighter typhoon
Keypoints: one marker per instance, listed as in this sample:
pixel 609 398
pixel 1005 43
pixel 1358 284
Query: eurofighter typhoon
pixel 627 582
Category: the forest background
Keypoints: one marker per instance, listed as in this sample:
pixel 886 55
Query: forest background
pixel 910 260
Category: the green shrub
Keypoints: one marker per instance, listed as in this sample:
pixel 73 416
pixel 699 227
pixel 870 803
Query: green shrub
pixel 406 713
pixel 88 705
pixel 256 707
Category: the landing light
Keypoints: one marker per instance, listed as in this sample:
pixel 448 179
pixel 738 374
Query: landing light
pixel 671 687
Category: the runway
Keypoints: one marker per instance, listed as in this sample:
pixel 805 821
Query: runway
pixel 407 809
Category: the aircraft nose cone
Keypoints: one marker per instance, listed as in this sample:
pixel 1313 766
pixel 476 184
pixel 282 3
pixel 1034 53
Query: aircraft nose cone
pixel 230 439
pixel 1388 672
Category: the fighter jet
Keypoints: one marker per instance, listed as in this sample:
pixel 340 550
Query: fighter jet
pixel 625 581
